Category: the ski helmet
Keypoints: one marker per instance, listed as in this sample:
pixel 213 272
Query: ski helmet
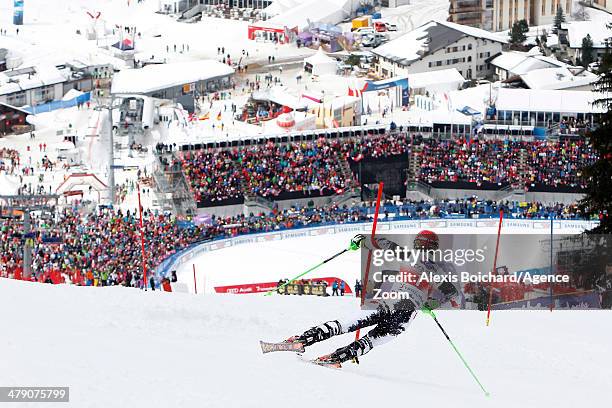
pixel 426 240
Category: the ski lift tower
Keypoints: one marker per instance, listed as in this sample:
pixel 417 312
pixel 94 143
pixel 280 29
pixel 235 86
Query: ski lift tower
pixel 27 204
pixel 111 165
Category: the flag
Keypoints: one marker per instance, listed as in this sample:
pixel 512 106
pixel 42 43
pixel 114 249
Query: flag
pixel 351 92
pixel 219 116
pixel 205 116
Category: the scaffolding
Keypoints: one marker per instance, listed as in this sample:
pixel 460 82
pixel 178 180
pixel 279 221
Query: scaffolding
pixel 45 203
pixel 172 186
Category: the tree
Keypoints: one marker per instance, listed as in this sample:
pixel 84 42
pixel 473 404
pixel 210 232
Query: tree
pixel 524 26
pixel 587 51
pixel 598 199
pixel 559 19
pixel 517 36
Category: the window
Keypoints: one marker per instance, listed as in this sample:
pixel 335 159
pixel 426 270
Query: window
pixel 438 63
pixel 43 94
pixel 429 64
pixel 469 58
pixel 16 99
pixel 469 46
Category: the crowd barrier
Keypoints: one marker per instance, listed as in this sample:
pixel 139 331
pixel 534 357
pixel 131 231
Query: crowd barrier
pixel 61 104
pixel 182 257
pixel 316 288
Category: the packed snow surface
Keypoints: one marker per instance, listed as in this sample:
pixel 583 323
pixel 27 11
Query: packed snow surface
pixel 124 347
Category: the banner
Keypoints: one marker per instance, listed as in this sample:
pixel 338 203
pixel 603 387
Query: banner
pixel 291 289
pixel 402 83
pixel 18 12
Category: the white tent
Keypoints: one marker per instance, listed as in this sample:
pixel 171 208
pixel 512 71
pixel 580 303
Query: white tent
pixel 320 64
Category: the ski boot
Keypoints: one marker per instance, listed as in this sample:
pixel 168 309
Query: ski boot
pixel 347 353
pixel 317 334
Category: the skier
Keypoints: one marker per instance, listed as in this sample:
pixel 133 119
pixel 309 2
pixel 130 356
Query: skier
pixel 391 317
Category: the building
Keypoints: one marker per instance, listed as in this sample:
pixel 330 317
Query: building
pixel 513 63
pixel 543 108
pixel 499 15
pixel 572 34
pixel 605 5
pixel 40 84
pixel 171 81
pixel 180 6
pixel 439 45
pixel 475 13
pixel 138 91
pixel 566 78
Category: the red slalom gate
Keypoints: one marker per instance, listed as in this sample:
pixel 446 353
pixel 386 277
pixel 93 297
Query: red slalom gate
pixel 501 217
pixel 142 242
pixel 367 273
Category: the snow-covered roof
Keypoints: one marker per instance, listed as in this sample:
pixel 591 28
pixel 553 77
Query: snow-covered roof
pixel 518 63
pixel 152 78
pixel 320 58
pixel 429 38
pixel 28 78
pixel 539 100
pixel 281 96
pixel 598 30
pixel 558 78
pixel 298 13
pixel 428 79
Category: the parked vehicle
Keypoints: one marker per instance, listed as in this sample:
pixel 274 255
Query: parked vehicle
pixel 364 31
pixel 380 27
pixel 373 40
pixel 391 27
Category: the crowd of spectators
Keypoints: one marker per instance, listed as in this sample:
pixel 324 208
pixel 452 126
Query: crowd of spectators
pixel 214 177
pixel 524 164
pixel 103 247
pixel 9 160
pixel 271 169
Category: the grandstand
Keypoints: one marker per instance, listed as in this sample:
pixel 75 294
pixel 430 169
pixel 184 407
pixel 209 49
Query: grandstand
pixel 308 167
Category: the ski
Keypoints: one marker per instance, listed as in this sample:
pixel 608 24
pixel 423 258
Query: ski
pixel 282 346
pixel 326 364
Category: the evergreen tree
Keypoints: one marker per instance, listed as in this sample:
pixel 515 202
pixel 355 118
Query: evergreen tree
pixel 598 199
pixel 517 36
pixel 587 51
pixel 559 18
pixel 524 26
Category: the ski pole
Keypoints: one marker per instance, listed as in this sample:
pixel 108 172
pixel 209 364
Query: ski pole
pixel 430 312
pixel 355 245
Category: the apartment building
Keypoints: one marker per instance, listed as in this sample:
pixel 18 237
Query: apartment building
pixel 499 15
pixel 439 45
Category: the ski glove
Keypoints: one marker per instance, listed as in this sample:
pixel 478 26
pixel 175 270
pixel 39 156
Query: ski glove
pixel 356 242
pixel 429 307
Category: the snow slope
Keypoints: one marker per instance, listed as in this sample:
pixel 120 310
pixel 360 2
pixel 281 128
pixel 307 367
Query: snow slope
pixel 123 347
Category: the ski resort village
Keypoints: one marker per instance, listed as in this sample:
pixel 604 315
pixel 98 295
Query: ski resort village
pixel 305 203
